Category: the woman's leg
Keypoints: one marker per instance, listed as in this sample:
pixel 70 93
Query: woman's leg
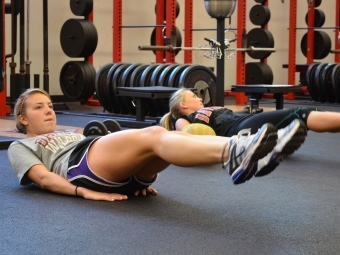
pixel 119 155
pixel 324 121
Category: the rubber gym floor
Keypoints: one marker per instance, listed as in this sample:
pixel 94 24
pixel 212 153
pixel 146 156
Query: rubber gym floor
pixel 294 210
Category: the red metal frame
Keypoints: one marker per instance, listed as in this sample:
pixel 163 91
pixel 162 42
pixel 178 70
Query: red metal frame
pixel 188 20
pixel 170 26
pixel 117 32
pixel 4 109
pixel 337 31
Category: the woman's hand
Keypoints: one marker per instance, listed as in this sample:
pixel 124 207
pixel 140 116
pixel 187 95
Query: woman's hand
pixel 94 195
pixel 145 192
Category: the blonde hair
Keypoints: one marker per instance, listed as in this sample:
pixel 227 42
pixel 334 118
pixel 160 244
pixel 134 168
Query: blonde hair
pixel 175 109
pixel 20 107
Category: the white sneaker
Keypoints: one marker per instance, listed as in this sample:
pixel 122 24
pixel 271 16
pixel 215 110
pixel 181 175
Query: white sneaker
pixel 289 140
pixel 245 150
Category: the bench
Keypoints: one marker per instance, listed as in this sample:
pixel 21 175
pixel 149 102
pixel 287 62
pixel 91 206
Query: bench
pixel 255 93
pixel 140 93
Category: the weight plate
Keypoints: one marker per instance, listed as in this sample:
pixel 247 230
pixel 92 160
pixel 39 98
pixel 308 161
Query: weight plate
pixel 177 10
pixel 197 76
pixel 322 44
pixel 78 38
pixel 156 73
pixel 259 15
pixel 319 18
pixel 81 7
pixel 175 74
pixel 326 84
pixel 317 3
pixel 135 79
pixel 177 34
pixel 260 38
pixel 310 81
pixel 319 82
pixel 258 73
pixel 73 80
pixel 163 78
pixel 116 82
pixel 336 81
pixel 112 125
pixel 102 91
pixel 114 101
pixel 90 72
pixel 261 1
pixel 95 127
pixel 146 75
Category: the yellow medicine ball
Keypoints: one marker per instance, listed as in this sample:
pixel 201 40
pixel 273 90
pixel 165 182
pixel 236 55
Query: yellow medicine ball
pixel 198 129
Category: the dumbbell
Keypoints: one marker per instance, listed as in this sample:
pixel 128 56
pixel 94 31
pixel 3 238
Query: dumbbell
pixel 96 127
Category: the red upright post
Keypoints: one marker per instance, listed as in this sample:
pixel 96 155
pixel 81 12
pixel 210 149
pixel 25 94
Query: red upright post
pixel 188 31
pixel 337 31
pixel 170 7
pixel 117 31
pixel 240 56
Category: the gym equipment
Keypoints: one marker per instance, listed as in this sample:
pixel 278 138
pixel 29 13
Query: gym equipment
pixel 318 81
pixel 81 7
pixel 95 127
pixel 112 126
pixel 255 93
pixel 78 38
pixel 177 9
pixel 198 129
pixel 326 80
pixel 259 38
pixel 336 81
pixel 319 18
pixel 77 80
pixel 258 73
pixel 310 81
pixel 259 15
pixel 220 9
pixel 322 44
pixel 176 34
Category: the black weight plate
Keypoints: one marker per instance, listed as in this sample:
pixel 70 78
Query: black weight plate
pixel 116 82
pixel 146 75
pixel 175 74
pixel 164 77
pixel 310 81
pixel 81 7
pixel 327 86
pixel 125 82
pixel 178 39
pixel 258 73
pixel 317 3
pixel 112 125
pixel 135 79
pixel 319 82
pixel 90 72
pixel 156 73
pixel 116 107
pixel 319 18
pixel 95 127
pixel 102 91
pixel 197 76
pixel 260 38
pixel 259 15
pixel 78 38
pixel 177 10
pixel 72 79
pixel 322 44
pixel 261 1
pixel 336 81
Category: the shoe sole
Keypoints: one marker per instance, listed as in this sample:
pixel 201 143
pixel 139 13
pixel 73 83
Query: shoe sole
pixel 265 141
pixel 295 140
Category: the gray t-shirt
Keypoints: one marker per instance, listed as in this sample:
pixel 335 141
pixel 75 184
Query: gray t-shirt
pixel 51 150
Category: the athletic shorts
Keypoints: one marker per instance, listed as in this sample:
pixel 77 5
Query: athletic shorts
pixel 80 174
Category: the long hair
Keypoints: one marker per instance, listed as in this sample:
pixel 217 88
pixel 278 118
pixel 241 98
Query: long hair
pixel 20 107
pixel 174 107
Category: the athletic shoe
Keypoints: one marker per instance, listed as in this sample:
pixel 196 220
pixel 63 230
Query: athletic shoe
pixel 246 149
pixel 289 139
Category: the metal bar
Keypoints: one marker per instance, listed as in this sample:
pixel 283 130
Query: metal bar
pixel 337 31
pixel 159 39
pixel 46 84
pixel 170 7
pixel 142 26
pixel 117 31
pixel 171 48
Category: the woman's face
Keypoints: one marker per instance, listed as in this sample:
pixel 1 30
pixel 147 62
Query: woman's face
pixel 39 117
pixel 191 102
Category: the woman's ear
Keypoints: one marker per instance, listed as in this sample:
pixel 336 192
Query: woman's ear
pixel 183 105
pixel 22 120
